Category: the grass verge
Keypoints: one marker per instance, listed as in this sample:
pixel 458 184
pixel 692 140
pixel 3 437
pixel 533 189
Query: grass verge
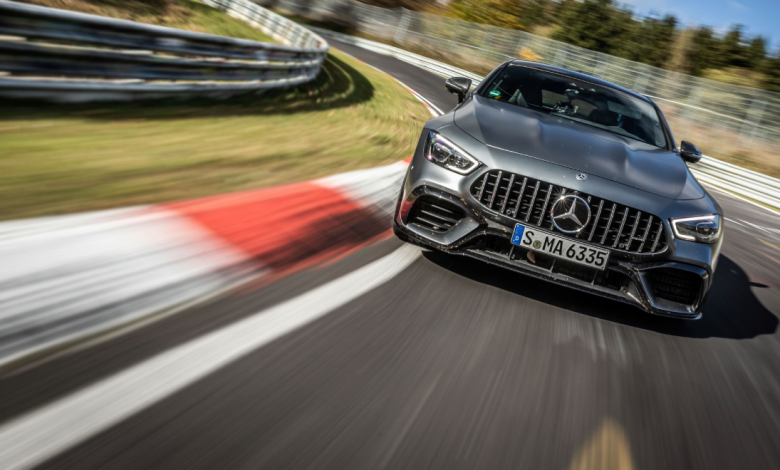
pixel 57 159
pixel 182 14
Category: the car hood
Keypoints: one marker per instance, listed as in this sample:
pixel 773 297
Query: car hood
pixel 577 146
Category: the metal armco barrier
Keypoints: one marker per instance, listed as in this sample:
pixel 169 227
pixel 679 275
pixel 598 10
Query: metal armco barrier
pixel 66 56
pixel 735 179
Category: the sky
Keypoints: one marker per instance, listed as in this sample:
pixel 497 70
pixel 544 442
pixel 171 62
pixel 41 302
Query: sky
pixel 760 17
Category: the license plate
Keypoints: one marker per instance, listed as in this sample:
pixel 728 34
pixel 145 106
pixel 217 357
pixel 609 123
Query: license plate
pixel 559 247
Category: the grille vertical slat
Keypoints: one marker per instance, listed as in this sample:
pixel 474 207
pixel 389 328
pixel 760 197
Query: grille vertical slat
pixel 544 207
pixel 633 230
pixel 657 236
pixel 581 232
pixel 596 220
pixel 620 230
pixel 516 210
pixel 532 203
pixel 495 190
pixel 508 193
pixel 647 231
pixel 609 223
pixel 482 188
pixel 614 225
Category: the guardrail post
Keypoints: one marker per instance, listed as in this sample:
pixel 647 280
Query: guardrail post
pixel 486 41
pixel 640 79
pixel 403 25
pixel 560 57
pixel 601 69
pixel 748 131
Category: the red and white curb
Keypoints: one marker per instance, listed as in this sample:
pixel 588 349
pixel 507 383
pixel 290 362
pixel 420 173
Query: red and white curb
pixel 67 277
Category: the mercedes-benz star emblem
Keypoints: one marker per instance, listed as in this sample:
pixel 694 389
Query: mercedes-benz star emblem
pixel 570 214
pixel 582 176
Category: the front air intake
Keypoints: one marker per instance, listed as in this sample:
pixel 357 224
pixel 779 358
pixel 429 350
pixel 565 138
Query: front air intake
pixel 435 214
pixel 676 285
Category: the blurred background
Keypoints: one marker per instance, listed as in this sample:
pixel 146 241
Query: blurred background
pixel 198 271
pixel 717 84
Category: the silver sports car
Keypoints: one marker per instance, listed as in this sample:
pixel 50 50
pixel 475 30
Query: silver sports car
pixel 568 178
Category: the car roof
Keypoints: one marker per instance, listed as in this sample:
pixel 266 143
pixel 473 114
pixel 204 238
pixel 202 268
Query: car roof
pixel 580 76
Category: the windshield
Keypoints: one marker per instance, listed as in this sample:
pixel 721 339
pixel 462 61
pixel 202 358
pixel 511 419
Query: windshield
pixel 578 101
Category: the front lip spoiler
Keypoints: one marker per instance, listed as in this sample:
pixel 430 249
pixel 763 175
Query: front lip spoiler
pixel 637 297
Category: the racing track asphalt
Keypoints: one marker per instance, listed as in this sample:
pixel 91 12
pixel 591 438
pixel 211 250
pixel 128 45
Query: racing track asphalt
pixel 454 364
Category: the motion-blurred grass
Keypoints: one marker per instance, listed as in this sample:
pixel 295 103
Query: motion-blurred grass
pixel 183 14
pixel 58 159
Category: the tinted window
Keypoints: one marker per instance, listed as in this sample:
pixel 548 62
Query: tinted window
pixel 579 101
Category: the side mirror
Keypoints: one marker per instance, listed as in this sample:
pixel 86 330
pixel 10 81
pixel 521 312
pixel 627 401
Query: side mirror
pixel 459 86
pixel 689 152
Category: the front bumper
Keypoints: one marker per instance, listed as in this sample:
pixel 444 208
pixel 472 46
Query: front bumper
pixel 479 234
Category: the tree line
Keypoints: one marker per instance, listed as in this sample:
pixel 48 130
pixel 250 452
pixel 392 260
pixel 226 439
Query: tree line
pixel 609 27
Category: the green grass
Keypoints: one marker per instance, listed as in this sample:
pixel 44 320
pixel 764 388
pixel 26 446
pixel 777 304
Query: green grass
pixel 57 159
pixel 183 14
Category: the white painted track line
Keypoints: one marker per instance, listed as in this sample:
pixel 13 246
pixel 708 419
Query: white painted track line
pixel 41 434
pixel 428 104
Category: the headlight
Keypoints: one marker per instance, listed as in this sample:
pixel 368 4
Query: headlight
pixel 441 151
pixel 702 229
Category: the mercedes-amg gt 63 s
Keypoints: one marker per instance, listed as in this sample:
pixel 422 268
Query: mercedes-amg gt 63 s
pixel 568 178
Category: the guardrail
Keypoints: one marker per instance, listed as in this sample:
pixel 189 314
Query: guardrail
pixel 67 56
pixel 735 179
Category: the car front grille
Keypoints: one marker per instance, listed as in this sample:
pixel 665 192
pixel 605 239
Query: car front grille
pixel 529 201
pixel 435 214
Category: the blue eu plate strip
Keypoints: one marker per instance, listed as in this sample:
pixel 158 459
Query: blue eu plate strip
pixel 518 235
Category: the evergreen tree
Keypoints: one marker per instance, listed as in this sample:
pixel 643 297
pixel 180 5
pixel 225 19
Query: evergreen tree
pixel 771 71
pixel 703 53
pixel 593 24
pixel 540 12
pixel 756 53
pixel 649 41
pixel 681 48
pixel 732 53
pixel 659 40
